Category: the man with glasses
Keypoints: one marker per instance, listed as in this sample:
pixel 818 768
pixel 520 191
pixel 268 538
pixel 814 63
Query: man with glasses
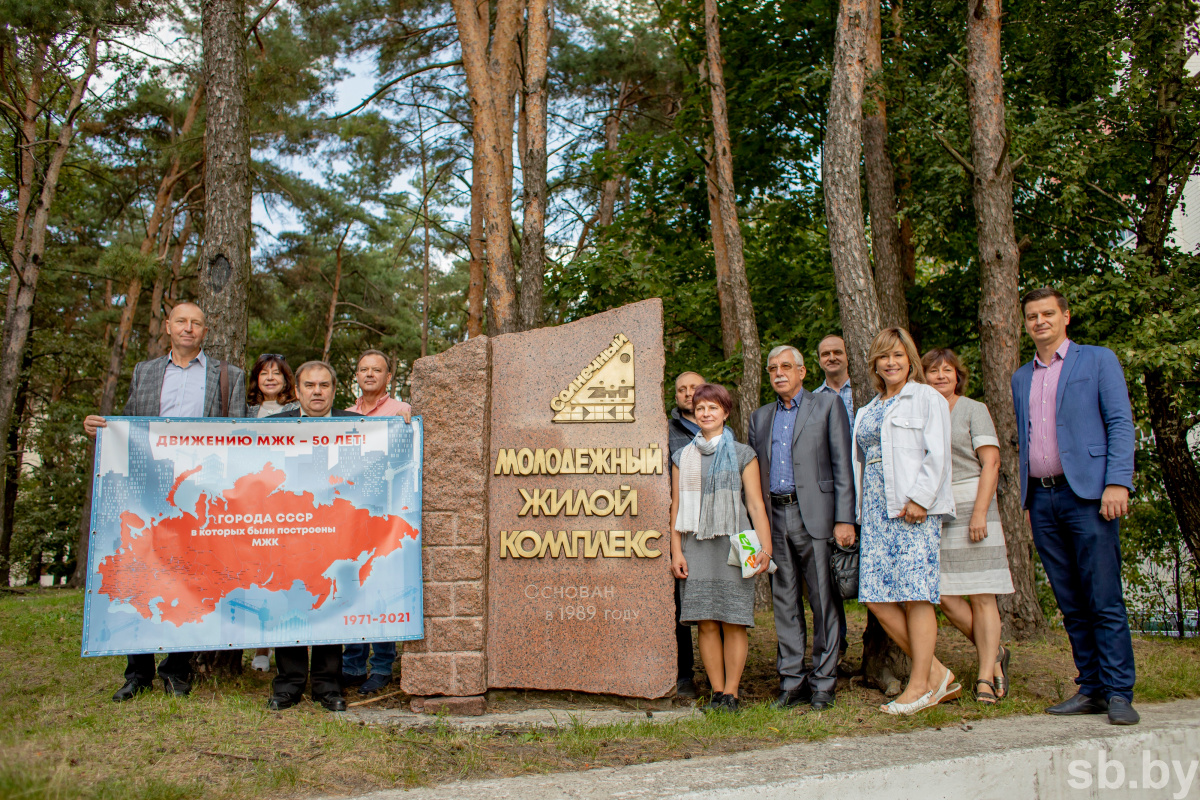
pixel 803 446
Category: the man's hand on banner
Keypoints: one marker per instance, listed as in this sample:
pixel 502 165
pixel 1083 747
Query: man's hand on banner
pixel 91 423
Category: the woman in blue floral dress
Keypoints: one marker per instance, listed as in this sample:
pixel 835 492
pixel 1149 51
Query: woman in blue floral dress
pixel 902 474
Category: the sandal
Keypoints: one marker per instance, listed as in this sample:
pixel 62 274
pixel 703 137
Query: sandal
pixel 1002 684
pixel 985 697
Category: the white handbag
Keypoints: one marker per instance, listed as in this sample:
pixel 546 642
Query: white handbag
pixel 742 549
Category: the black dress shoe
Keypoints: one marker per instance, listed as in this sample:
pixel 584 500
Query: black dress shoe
pixel 717 703
pixel 132 688
pixel 822 700
pixel 685 688
pixel 176 687
pixel 334 702
pixel 789 698
pixel 1079 704
pixel 1121 712
pixel 280 702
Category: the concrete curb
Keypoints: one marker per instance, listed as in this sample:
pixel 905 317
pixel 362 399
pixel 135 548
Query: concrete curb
pixel 1012 759
pixel 547 719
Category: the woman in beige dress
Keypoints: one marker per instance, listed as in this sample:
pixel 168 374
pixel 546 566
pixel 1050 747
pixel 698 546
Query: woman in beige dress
pixel 974 560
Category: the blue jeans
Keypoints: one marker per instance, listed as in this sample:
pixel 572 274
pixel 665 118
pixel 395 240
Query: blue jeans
pixel 1081 552
pixel 354 658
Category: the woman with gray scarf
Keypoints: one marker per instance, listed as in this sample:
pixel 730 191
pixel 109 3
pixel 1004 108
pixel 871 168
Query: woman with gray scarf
pixel 715 493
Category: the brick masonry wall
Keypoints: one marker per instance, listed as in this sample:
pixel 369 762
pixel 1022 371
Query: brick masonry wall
pixel 451 393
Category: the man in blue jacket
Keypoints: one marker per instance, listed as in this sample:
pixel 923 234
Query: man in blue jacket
pixel 1075 429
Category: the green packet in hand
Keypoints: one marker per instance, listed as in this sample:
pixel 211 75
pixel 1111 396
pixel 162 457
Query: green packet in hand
pixel 743 547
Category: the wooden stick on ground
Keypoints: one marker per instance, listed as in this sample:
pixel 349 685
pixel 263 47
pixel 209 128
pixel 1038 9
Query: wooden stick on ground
pixel 373 699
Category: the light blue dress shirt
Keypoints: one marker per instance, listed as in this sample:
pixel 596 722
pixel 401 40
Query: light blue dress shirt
pixel 183 388
pixel 783 478
pixel 847 395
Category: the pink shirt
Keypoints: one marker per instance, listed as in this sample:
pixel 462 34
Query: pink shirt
pixel 386 407
pixel 1044 460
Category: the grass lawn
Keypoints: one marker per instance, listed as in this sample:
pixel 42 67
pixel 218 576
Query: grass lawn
pixel 63 737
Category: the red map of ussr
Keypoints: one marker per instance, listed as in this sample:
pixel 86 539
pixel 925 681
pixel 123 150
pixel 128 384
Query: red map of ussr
pixel 183 564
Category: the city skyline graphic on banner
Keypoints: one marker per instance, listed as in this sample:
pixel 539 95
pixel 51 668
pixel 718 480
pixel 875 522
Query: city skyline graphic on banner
pixel 216 534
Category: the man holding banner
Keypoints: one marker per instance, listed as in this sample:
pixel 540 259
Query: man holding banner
pixel 316 383
pixel 183 383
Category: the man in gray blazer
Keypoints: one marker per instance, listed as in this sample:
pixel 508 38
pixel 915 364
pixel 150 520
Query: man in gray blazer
pixel 803 446
pixel 183 383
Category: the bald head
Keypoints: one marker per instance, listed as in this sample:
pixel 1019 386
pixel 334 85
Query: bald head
pixel 685 385
pixel 186 327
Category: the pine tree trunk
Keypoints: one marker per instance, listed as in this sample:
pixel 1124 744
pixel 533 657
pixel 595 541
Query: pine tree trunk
pixel 533 162
pixel 890 285
pixel 12 474
pixel 331 315
pixel 751 379
pixel 225 250
pixel 884 664
pixel 31 221
pixel 490 76
pixel 476 266
pixel 999 302
pixel 1169 420
pixel 857 300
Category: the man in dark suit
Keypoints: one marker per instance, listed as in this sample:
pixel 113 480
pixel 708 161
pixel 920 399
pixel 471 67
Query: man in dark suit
pixel 316 383
pixel 183 383
pixel 1075 431
pixel 803 446
pixel 681 429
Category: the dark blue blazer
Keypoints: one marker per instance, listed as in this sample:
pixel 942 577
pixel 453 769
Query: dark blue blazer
pixel 1093 418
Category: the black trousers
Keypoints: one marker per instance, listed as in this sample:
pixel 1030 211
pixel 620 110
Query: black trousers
pixel 803 563
pixel 683 638
pixel 292 663
pixel 140 667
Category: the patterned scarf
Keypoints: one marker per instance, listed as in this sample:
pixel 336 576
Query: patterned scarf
pixel 709 508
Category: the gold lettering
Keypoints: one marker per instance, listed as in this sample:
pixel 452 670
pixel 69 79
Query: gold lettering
pixel 553 460
pixel 527 536
pixel 506 462
pixel 607 496
pixel 597 542
pixel 581 461
pixel 646 536
pixel 539 462
pixel 568 462
pixel 508 548
pixel 625 500
pixel 556 544
pixel 525 460
pixel 529 501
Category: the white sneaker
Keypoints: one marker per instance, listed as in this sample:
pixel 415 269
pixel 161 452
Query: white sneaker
pixel 261 663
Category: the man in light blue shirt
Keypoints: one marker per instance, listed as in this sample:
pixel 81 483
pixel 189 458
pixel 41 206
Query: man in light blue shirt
pixel 831 354
pixel 185 383
pixel 183 387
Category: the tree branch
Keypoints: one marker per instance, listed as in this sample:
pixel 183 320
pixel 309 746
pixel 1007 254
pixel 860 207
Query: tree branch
pixel 957 156
pixel 391 83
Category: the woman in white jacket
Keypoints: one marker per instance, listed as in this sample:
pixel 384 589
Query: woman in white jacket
pixel 902 478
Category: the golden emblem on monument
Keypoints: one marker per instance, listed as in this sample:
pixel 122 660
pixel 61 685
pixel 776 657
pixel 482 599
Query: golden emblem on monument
pixel 603 390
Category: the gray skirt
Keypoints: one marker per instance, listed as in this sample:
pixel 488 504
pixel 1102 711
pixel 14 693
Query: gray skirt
pixel 973 567
pixel 713 589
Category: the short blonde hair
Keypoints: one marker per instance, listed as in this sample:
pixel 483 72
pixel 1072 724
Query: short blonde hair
pixel 885 341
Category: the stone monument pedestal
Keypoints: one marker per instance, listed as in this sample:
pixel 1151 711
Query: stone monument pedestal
pixel 546 543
